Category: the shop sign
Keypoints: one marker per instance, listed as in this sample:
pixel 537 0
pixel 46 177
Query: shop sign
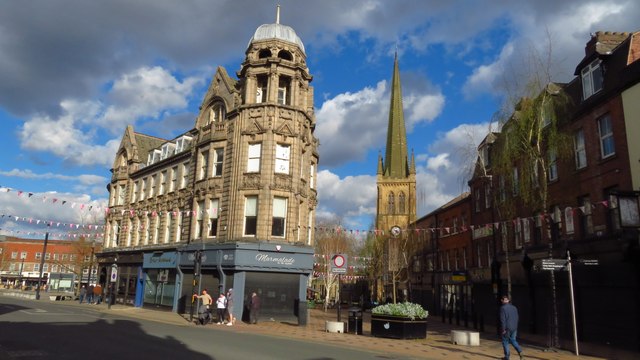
pixel 280 259
pixel 160 260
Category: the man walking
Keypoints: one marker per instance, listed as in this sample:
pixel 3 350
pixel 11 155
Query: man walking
pixel 509 327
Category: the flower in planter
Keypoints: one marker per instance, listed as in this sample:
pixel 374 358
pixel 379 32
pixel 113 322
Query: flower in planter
pixel 405 309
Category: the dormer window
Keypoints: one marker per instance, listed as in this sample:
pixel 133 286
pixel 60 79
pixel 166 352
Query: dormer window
pixel 183 143
pixel 591 79
pixel 154 156
pixel 167 150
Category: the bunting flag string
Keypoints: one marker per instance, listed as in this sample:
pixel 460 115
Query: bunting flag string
pixel 154 213
pixel 52 223
pixel 52 234
pixel 53 200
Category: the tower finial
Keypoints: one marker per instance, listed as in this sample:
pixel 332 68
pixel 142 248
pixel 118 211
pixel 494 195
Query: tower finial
pixel 278 14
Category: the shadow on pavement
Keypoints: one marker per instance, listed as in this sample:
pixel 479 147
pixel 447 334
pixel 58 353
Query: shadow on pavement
pixel 117 339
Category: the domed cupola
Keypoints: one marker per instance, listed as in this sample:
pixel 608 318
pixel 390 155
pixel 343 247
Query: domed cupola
pixel 277 31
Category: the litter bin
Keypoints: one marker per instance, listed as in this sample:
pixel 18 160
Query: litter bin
pixel 354 325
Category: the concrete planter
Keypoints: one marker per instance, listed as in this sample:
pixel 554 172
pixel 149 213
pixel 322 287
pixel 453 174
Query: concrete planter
pixel 396 327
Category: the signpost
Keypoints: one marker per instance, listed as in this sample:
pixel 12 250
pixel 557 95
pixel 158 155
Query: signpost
pixel 565 265
pixel 339 266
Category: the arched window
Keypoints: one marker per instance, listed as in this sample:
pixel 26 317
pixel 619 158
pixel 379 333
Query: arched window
pixel 401 203
pixel 216 113
pixel 284 54
pixel 264 53
pixel 391 207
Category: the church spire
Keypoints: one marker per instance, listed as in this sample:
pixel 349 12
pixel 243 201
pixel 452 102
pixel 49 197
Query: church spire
pixel 395 161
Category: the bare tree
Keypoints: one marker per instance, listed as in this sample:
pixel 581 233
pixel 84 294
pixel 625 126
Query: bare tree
pixel 328 243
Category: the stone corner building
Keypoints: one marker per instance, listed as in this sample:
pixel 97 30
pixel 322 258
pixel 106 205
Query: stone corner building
pixel 229 203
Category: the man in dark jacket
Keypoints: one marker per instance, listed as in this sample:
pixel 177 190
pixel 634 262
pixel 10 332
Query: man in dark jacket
pixel 255 308
pixel 509 327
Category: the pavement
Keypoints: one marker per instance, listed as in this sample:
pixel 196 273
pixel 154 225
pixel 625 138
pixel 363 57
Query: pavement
pixel 437 344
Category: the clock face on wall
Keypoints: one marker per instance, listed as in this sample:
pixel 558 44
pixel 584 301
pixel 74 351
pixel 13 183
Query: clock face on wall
pixel 395 230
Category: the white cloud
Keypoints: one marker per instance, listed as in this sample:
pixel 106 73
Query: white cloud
pixel 347 198
pixel 72 136
pixel 483 79
pixel 86 179
pixel 146 92
pixel 352 124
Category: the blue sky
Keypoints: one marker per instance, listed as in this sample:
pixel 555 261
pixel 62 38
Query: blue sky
pixel 75 73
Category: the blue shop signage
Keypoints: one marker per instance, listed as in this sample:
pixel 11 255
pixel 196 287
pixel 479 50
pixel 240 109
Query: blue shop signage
pixel 163 260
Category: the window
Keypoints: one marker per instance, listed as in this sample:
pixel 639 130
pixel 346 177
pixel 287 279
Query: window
pixel 183 143
pixel 279 215
pixel 204 163
pixel 36 267
pixel 537 230
pixel 184 175
pixel 556 223
pixel 401 203
pixel 174 178
pixel 487 196
pixel 477 201
pixel 152 185
pixel 607 146
pixel 167 227
pixel 613 212
pixel 553 165
pixel 501 188
pixel 134 195
pixel 120 196
pixel 213 217
pixel 309 227
pixel 312 169
pixel 163 182
pixel 391 204
pixel 261 89
pixel 526 230
pixel 568 217
pixel 168 149
pixel 199 219
pixel 515 182
pixel 282 158
pixel 38 256
pixel 147 232
pixel 47 256
pixel 250 215
pixel 253 163
pixel 479 254
pixel 591 79
pixel 586 221
pixel 154 156
pixel 14 255
pixel 579 149
pixel 143 189
pixel 547 113
pixel 517 229
pixel 284 93
pixel 218 156
pixel 178 221
pixel 56 257
pixel 216 114
pixel 485 156
pixel 23 255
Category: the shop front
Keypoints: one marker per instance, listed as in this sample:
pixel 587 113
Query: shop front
pixel 160 279
pixel 123 273
pixel 278 274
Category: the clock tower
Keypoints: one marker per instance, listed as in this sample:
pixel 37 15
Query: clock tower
pixel 396 175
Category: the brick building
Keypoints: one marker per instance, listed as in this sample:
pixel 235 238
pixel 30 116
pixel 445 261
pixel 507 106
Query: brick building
pixel 592 210
pixel 65 263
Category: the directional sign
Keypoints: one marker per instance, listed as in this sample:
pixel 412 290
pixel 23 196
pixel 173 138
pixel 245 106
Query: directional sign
pixel 554 264
pixel 339 264
pixel 587 262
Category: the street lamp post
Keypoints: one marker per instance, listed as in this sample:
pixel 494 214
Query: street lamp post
pixel 44 254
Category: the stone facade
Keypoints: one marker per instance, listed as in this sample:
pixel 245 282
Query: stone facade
pixel 245 174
